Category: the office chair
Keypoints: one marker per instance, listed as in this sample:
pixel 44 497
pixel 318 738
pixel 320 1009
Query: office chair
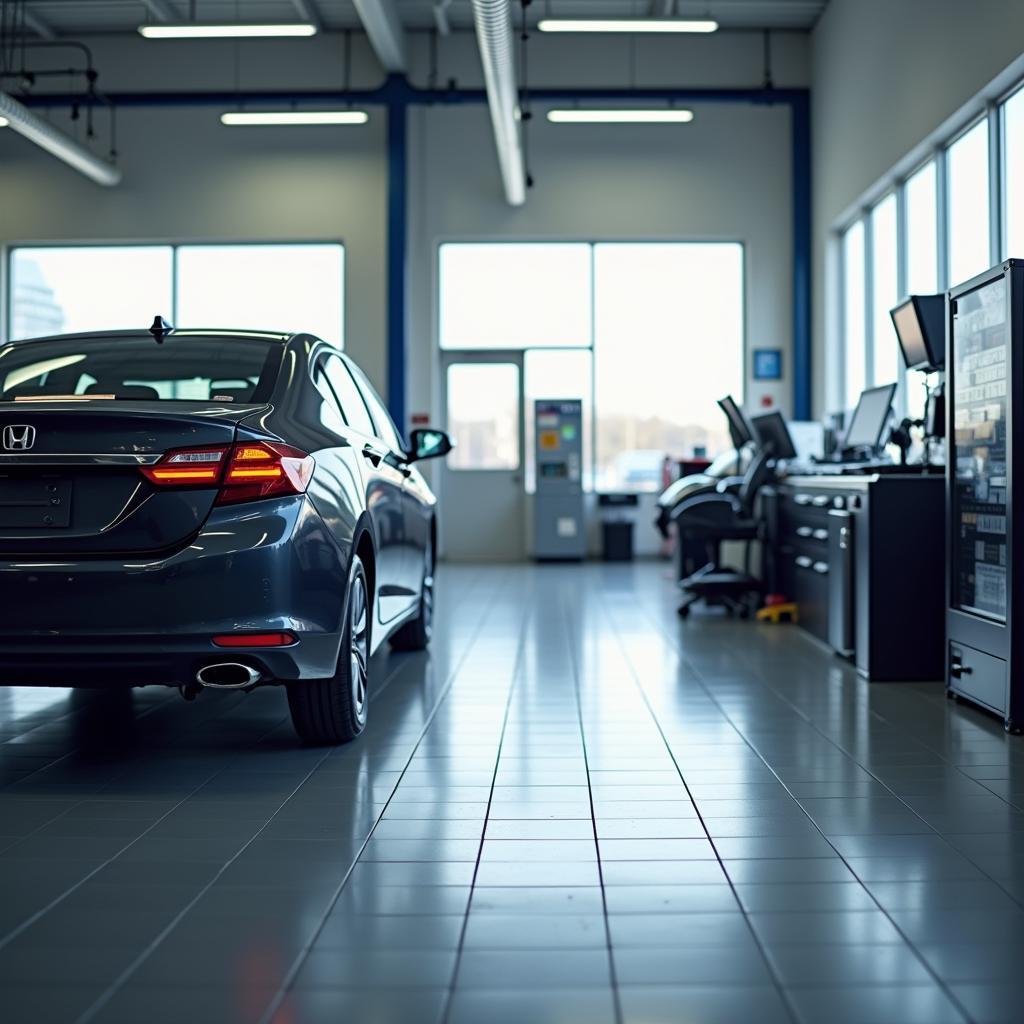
pixel 727 514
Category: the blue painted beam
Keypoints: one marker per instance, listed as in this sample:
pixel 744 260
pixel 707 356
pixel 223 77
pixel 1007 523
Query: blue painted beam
pixel 398 284
pixel 800 135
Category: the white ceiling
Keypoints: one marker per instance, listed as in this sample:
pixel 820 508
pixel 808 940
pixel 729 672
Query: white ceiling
pixel 83 17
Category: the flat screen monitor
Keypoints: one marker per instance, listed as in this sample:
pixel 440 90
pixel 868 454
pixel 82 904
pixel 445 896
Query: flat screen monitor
pixel 739 425
pixel 870 417
pixel 920 324
pixel 773 435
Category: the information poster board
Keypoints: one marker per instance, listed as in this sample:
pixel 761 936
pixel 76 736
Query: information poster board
pixel 981 334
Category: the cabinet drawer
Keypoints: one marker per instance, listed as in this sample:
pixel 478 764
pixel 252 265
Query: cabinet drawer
pixel 978 676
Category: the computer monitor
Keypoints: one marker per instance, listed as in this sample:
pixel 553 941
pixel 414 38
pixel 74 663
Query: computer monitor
pixel 920 324
pixel 870 418
pixel 739 425
pixel 773 435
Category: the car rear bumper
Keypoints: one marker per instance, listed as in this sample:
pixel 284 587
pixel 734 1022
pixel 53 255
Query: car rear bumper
pixel 261 567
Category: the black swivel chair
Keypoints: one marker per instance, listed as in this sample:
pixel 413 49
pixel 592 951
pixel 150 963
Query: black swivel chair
pixel 728 514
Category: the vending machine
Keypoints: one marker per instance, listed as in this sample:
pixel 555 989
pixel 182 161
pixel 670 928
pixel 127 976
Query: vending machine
pixel 558 525
pixel 985 428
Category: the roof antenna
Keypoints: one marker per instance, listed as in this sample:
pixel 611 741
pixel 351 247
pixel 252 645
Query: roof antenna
pixel 160 329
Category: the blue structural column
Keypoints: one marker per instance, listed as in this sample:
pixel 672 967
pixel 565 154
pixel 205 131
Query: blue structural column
pixel 397 282
pixel 800 111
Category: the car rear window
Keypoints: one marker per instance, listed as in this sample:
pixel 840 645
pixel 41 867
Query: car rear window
pixel 183 367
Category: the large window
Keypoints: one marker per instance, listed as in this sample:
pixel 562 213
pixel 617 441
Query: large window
pixel 668 342
pixel 514 295
pixel 1013 175
pixel 922 241
pixel 483 415
pixel 968 204
pixel 263 287
pixel 854 320
pixel 647 335
pixel 88 288
pixel 886 361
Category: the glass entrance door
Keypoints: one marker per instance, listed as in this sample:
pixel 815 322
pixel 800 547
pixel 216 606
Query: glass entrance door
pixel 482 513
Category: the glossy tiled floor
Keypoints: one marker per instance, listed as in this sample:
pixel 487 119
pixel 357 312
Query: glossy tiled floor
pixel 576 810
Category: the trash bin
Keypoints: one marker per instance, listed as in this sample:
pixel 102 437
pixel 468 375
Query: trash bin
pixel 617 526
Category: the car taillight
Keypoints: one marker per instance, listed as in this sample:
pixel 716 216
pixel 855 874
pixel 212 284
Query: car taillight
pixel 243 472
pixel 262 470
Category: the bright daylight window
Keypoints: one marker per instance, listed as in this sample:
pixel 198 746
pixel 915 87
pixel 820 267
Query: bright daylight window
pixel 483 415
pixel 922 243
pixel 886 358
pixel 968 205
pixel 1013 174
pixel 668 342
pixel 63 289
pixel 283 288
pixel 854 347
pixel 514 295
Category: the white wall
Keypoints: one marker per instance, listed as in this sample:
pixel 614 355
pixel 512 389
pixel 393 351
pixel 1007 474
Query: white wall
pixel 886 74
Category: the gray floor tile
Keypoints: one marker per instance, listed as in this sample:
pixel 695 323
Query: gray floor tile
pixel 531 969
pixel 365 1005
pixel 547 1006
pixel 726 1004
pixel 882 1004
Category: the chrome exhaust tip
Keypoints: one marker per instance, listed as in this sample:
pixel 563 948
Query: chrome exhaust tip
pixel 227 675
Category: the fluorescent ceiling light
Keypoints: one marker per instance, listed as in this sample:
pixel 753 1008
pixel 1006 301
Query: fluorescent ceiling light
pixel 621 116
pixel 224 30
pixel 3 122
pixel 627 25
pixel 21 120
pixel 246 117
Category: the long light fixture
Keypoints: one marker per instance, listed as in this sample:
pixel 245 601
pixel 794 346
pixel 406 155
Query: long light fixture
pixel 700 25
pixel 287 117
pixel 620 116
pixel 21 120
pixel 3 122
pixel 225 30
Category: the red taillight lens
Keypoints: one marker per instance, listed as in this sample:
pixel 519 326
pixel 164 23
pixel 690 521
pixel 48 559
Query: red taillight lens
pixel 261 470
pixel 254 640
pixel 244 472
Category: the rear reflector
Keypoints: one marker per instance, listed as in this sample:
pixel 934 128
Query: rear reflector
pixel 243 472
pixel 254 640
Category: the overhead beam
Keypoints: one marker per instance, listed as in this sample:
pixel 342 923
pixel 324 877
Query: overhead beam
pixel 161 10
pixel 307 11
pixel 42 28
pixel 384 29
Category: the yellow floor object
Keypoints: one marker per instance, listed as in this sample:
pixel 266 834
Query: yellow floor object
pixel 777 613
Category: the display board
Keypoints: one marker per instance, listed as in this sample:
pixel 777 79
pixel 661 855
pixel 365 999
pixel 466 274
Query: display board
pixel 980 348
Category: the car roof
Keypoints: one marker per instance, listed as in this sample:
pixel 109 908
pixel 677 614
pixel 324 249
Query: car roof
pixel 174 332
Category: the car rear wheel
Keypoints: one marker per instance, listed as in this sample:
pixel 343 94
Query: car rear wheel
pixel 415 635
pixel 332 711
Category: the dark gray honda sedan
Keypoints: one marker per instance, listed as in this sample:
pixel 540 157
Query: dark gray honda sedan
pixel 208 509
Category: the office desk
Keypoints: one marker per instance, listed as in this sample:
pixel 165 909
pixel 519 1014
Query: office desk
pixel 863 558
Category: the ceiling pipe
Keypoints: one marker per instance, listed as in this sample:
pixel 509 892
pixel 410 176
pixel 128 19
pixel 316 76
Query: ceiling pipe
pixel 494 33
pixel 21 120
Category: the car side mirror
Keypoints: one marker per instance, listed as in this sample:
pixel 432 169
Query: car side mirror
pixel 427 443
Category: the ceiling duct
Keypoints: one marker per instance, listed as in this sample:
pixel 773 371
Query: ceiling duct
pixel 21 120
pixel 495 36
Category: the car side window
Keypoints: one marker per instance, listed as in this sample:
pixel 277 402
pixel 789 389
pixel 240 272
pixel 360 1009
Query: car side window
pixel 353 407
pixel 330 412
pixel 386 429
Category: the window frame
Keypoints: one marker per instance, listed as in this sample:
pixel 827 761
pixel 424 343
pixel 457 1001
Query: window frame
pixel 469 354
pixel 8 249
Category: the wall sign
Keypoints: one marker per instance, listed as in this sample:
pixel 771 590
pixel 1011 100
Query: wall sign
pixel 767 364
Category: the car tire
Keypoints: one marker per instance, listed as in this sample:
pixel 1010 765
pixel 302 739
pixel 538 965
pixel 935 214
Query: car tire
pixel 332 711
pixel 415 634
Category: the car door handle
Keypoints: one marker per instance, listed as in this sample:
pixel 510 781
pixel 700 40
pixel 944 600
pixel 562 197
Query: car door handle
pixel 374 457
